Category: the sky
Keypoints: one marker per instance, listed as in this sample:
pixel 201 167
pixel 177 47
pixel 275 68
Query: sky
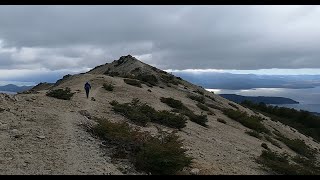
pixel 44 42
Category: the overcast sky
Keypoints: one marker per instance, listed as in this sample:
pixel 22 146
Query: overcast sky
pixel 38 40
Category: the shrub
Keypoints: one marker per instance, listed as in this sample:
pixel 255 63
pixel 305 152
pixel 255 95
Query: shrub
pixel 279 163
pixel 199 119
pixel 303 121
pixel 170 119
pixel 252 122
pixel 233 105
pixel 172 103
pixel 200 99
pixel 115 133
pixel 179 78
pixel 162 156
pixel 61 94
pixel 275 143
pixel 212 98
pixel 157 155
pixel 297 145
pixel 133 82
pixel 221 120
pixel 108 87
pixel 179 107
pixel 211 113
pixel 112 74
pixel 202 107
pixel 199 92
pixel 169 79
pixel 264 145
pixel 148 78
pixel 254 134
pixel 214 106
pixel 309 166
pixel 142 113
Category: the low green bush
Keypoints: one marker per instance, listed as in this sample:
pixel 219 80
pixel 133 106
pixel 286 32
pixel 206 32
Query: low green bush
pixel 133 82
pixel 161 155
pixel 141 114
pixel 108 87
pixel 202 107
pixel 64 94
pixel 221 120
pixel 252 122
pixel 200 99
pixel 264 145
pixel 254 134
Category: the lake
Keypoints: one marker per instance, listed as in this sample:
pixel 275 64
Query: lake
pixel 8 92
pixel 309 98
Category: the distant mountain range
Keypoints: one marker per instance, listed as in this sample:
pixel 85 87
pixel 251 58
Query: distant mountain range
pixel 257 99
pixel 14 88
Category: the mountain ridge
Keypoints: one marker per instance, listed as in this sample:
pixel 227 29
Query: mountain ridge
pixel 52 130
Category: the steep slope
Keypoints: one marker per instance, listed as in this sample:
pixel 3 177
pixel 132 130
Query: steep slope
pixel 44 135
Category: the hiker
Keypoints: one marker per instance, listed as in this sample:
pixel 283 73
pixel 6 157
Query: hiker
pixel 87 87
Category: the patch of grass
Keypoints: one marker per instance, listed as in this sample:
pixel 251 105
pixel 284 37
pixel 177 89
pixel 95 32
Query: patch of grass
pixel 264 145
pixel 252 122
pixel 275 143
pixel 170 119
pixel 64 94
pixel 280 164
pixel 212 98
pixel 199 119
pixel 309 166
pixel 141 114
pixel 233 105
pixel 303 121
pixel 254 134
pixel 148 78
pixel 161 155
pixel 112 74
pixel 179 107
pixel 169 79
pixel 199 92
pixel 173 103
pixel 200 99
pixel 202 107
pixel 133 82
pixel 108 87
pixel 221 120
pixel 297 145
pixel 214 106
pixel 211 113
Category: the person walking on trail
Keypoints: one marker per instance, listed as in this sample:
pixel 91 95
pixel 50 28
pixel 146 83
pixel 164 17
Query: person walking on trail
pixel 87 87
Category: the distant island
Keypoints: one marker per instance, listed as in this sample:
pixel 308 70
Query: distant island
pixel 257 99
pixel 14 88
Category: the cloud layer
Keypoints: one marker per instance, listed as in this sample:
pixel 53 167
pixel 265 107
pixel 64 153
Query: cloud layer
pixel 49 40
pixel 169 37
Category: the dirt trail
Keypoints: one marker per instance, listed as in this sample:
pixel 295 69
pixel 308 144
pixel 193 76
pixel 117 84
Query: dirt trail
pixel 47 138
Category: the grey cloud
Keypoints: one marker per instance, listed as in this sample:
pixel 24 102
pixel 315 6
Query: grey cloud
pixel 175 37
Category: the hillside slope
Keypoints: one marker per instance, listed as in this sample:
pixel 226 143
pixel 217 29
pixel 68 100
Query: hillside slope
pixel 44 135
